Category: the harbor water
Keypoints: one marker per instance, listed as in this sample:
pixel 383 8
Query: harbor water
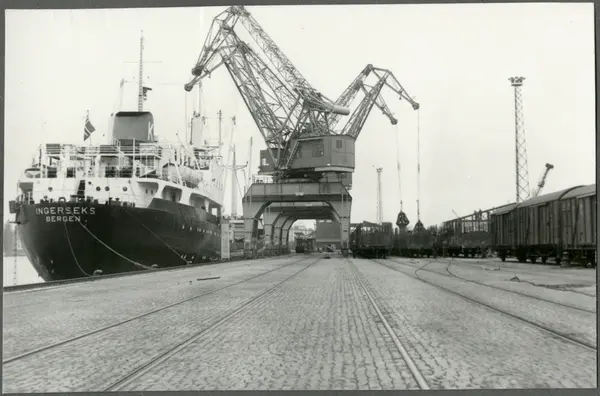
pixel 19 271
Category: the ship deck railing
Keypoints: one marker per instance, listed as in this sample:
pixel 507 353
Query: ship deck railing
pixel 142 151
pixel 119 172
pixel 55 150
pixel 71 195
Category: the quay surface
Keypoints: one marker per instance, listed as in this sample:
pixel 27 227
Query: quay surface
pixel 312 321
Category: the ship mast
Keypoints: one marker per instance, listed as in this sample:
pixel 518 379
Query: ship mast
pixel 234 182
pixel 141 75
pixel 249 181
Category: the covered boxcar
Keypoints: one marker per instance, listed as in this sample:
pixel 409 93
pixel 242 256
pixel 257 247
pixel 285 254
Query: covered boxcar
pixel 548 226
pixel 537 223
pixel 579 224
pixel 371 240
pixel 502 223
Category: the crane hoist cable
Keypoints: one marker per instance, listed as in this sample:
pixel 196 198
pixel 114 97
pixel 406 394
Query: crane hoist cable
pixel 418 225
pixel 401 220
pixel 396 132
pixel 418 166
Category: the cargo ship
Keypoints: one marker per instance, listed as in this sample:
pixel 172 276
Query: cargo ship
pixel 135 204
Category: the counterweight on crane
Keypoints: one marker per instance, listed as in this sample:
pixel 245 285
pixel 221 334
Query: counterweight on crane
pixel 296 121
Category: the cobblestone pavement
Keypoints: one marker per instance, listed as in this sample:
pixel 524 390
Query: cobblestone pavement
pixel 317 332
pixel 93 363
pixel 35 319
pixel 567 321
pixel 458 344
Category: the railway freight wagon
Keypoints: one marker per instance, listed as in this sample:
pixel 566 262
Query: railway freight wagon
pixel 371 240
pixel 548 226
pixel 400 243
pixel 305 245
pixel 578 214
pixel 503 231
pixel 469 236
pixel 422 243
pixel 418 243
pixel 300 244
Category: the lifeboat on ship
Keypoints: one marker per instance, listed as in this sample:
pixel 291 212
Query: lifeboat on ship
pixel 172 172
pixel 33 173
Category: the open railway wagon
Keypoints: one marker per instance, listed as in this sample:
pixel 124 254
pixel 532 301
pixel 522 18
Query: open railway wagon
pixel 468 236
pixel 415 243
pixel 423 242
pixel 400 243
pixel 371 240
pixel 558 225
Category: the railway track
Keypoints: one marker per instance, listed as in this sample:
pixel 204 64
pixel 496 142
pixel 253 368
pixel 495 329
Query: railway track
pixel 417 375
pixel 520 293
pixel 545 329
pixel 148 313
pixel 450 274
pixel 157 360
pixel 525 271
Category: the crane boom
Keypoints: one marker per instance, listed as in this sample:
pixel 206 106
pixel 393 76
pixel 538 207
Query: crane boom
pixel 291 75
pixel 372 97
pixel 392 82
pixel 285 107
pixel 542 181
pixel 350 93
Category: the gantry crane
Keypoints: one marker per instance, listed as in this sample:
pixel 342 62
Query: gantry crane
pixel 291 115
pixel 542 181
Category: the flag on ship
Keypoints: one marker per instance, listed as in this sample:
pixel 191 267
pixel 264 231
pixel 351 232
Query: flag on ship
pixel 88 128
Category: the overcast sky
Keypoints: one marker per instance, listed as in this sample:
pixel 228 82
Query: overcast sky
pixel 455 59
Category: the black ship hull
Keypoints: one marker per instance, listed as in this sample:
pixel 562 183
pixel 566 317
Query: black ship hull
pixel 66 240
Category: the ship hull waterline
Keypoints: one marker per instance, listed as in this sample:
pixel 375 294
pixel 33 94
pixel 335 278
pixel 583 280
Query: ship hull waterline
pixel 66 240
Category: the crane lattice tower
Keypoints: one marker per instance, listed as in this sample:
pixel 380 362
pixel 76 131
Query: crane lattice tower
pixel 522 187
pixel 379 197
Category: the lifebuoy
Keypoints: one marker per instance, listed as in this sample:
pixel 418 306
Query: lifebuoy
pixel 62 199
